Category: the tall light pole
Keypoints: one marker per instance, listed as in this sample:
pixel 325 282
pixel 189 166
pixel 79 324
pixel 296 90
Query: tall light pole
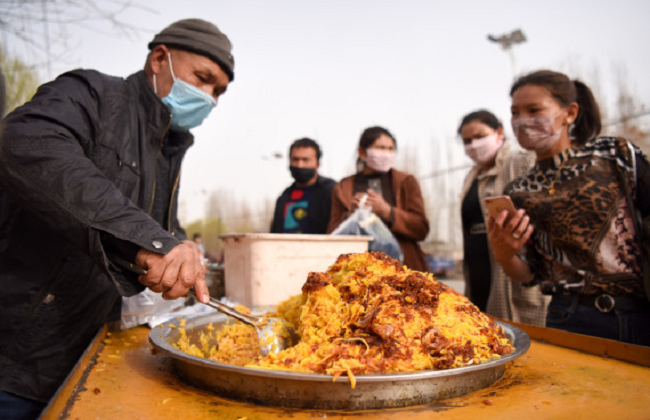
pixel 507 41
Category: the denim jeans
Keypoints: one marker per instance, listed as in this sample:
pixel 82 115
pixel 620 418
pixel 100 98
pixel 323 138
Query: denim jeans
pixel 627 323
pixel 13 407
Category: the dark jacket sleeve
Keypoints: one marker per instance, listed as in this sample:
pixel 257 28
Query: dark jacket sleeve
pixel 45 164
pixel 410 221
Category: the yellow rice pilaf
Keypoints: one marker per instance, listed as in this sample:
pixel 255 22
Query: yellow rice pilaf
pixel 367 314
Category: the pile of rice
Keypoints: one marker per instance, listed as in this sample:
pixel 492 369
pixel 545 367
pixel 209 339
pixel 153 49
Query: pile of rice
pixel 367 314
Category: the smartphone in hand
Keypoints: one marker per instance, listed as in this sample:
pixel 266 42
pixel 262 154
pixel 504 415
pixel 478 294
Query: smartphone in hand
pixel 374 184
pixel 495 205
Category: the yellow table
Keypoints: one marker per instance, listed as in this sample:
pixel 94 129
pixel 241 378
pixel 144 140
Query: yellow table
pixel 563 376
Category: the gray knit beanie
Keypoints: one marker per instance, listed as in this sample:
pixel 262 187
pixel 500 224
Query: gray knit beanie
pixel 201 37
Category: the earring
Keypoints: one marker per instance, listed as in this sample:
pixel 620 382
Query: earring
pixel 360 165
pixel 568 121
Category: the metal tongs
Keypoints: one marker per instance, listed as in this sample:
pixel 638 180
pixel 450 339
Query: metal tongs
pixel 274 334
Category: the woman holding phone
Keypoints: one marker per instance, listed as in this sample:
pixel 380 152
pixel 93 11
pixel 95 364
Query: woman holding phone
pixel 496 164
pixel 393 195
pixel 584 249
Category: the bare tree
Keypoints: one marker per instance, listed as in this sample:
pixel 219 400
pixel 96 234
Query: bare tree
pixel 624 115
pixel 266 217
pixel 244 220
pixel 220 204
pixel 407 159
pixel 43 26
pixel 238 216
pixel 628 115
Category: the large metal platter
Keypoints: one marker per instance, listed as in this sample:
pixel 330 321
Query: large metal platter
pixel 312 391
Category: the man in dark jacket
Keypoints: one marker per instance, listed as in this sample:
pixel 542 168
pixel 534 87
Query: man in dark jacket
pixel 89 173
pixel 304 207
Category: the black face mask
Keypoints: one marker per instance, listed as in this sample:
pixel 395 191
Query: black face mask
pixel 302 175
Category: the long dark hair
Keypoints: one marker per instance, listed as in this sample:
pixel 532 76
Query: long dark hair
pixel 588 123
pixel 482 116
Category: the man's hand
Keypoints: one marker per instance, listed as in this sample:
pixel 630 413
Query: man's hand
pixel 175 273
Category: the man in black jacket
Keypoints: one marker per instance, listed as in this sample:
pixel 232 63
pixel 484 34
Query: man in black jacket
pixel 304 207
pixel 89 173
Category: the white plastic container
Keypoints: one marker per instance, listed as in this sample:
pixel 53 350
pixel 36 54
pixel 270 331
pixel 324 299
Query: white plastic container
pixel 265 269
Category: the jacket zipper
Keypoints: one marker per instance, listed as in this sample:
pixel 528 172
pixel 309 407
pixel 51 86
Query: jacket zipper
pixel 171 201
pixel 162 138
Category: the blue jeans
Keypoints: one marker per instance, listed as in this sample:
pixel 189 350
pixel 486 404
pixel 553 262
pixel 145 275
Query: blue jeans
pixel 13 407
pixel 627 322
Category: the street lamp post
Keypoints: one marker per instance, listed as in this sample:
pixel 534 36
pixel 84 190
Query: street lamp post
pixel 507 41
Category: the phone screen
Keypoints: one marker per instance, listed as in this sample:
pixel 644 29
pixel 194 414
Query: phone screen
pixel 374 184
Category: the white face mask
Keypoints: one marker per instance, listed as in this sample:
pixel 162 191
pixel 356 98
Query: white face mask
pixel 483 150
pixel 536 133
pixel 380 160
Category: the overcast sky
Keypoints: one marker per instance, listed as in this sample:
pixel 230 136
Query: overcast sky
pixel 329 69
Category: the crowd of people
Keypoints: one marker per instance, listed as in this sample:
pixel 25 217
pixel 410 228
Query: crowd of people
pixel 89 173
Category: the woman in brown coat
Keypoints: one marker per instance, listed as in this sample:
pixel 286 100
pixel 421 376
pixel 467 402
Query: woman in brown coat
pixel 393 195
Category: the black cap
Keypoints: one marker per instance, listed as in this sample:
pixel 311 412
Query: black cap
pixel 201 37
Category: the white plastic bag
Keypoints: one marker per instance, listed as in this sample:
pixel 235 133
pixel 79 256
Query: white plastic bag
pixel 147 307
pixel 364 222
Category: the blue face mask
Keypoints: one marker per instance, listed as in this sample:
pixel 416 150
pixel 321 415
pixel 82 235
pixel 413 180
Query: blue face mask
pixel 189 105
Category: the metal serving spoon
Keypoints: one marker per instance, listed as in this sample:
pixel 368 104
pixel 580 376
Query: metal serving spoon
pixel 274 334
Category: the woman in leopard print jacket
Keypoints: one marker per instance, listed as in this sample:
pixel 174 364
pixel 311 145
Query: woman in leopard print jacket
pixel 574 233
